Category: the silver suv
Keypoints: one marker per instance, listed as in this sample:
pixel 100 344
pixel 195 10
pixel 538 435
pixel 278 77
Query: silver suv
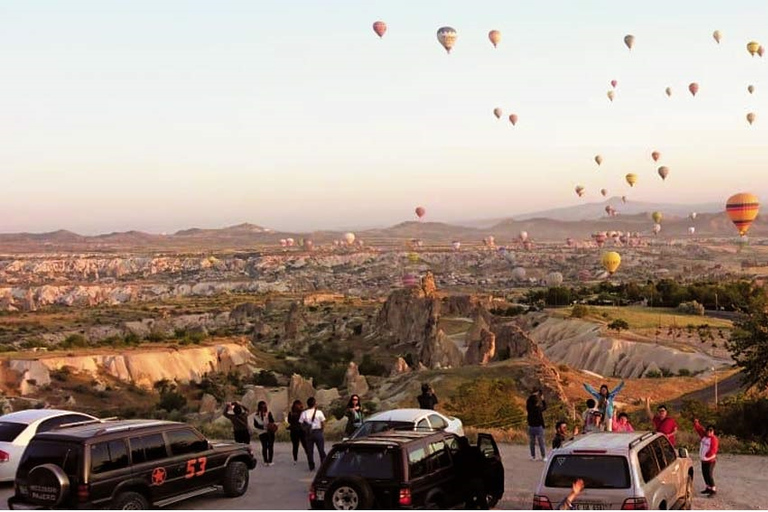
pixel 621 471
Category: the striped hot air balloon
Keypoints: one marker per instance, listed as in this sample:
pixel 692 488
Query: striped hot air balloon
pixel 742 209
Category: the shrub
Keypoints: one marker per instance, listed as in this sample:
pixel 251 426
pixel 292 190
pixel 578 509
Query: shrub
pixel 171 400
pixel 684 372
pixel 691 308
pixel 264 378
pixel 74 341
pixel 653 374
pixel 486 403
pixel 618 325
pixel 370 367
pixel 579 311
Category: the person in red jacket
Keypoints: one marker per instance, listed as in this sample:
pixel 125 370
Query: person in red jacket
pixel 708 455
pixel 662 422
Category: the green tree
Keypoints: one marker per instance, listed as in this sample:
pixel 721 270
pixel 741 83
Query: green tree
pixel 486 403
pixel 618 325
pixel 748 343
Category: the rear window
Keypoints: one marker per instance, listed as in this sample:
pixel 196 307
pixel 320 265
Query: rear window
pixel 601 472
pixel 10 431
pixel 65 455
pixel 372 427
pixel 373 463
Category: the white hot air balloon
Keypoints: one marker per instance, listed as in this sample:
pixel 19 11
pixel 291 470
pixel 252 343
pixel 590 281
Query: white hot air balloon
pixel 523 236
pixel 349 238
pixel 554 279
pixel 456 245
pixel 518 273
pixel 691 230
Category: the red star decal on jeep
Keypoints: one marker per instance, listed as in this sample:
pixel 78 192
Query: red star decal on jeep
pixel 158 476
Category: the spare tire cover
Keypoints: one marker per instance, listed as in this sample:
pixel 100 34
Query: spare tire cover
pixel 48 485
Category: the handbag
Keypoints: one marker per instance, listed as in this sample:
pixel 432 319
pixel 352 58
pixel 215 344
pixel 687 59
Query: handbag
pixel 272 427
pixel 307 427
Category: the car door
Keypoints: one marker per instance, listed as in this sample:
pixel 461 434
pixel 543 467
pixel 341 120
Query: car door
pixel 667 475
pixel 675 469
pixel 649 472
pixel 494 476
pixel 189 461
pixel 149 459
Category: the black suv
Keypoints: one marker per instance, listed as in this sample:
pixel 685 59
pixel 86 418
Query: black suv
pixel 409 469
pixel 128 464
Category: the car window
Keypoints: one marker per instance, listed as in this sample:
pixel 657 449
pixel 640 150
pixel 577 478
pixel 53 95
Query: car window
pixel 52 423
pixel 65 455
pixel 487 447
pixel 148 448
pixel 598 472
pixel 658 451
pixel 669 452
pixel 437 421
pixel 108 456
pixel 185 441
pixel 648 466
pixel 416 465
pixel 423 424
pixel 10 431
pixel 453 444
pixel 371 463
pixel 438 456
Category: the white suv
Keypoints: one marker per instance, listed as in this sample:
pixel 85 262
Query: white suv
pixel 621 471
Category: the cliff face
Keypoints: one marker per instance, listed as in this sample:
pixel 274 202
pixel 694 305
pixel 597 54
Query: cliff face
pixel 140 367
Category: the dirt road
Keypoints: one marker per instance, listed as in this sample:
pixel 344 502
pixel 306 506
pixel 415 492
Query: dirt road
pixel 742 481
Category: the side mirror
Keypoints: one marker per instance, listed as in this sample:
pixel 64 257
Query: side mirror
pixel 683 453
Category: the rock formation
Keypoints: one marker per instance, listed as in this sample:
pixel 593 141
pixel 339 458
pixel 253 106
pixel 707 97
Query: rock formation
pixel 355 383
pixel 482 350
pixel 400 367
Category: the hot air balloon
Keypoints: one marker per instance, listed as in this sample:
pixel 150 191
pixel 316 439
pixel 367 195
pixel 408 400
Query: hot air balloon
pixel 742 209
pixel 611 261
pixel 663 172
pixel 447 37
pixel 693 215
pixel 508 255
pixel 584 275
pixel 668 90
pixel 691 230
pixel 655 155
pixel 657 216
pixel 629 40
pixel 613 83
pixel 456 245
pixel 760 50
pixel 751 117
pixel 694 88
pixel 523 236
pixel 604 192
pixel 290 242
pixel 554 279
pixel 610 95
pixel 600 238
pixel 518 273
pixel 717 35
pixel 495 37
pixel 656 229
pixel 309 245
pixel 750 89
pixel 513 119
pixel 283 242
pixel 410 280
pixel 570 242
pixel 624 199
pixel 380 28
pixel 752 47
pixel 579 190
pixel 420 211
pixel 598 159
pixel 610 210
pixel 489 241
pixel 349 238
pixel 631 179
pixel 413 257
pixel 497 112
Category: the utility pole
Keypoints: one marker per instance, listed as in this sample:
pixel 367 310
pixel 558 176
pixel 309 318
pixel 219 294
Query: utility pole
pixel 714 371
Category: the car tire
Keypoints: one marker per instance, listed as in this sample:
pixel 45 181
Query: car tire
pixel 236 478
pixel 688 498
pixel 130 500
pixel 349 493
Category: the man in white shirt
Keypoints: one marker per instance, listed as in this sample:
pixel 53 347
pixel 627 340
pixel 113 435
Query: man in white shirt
pixel 312 421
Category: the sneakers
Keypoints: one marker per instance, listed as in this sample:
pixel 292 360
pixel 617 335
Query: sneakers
pixel 707 491
pixel 533 458
pixel 543 459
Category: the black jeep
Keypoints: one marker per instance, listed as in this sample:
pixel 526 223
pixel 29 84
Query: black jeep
pixel 409 469
pixel 130 464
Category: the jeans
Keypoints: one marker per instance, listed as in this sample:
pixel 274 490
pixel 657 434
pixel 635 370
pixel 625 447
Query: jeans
pixel 535 433
pixel 297 439
pixel 708 472
pixel 267 446
pixel 315 438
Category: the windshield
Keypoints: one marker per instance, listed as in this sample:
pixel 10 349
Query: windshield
pixel 374 463
pixel 602 472
pixel 372 427
pixel 10 431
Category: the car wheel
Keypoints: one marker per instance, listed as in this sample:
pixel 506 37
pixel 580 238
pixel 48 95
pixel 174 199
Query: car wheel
pixel 688 503
pixel 130 501
pixel 236 479
pixel 350 493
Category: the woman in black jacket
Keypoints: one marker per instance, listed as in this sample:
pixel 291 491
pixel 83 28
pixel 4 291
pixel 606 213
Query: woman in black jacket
pixel 294 428
pixel 264 422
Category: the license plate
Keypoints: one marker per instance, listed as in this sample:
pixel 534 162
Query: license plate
pixel 589 506
pixel 320 495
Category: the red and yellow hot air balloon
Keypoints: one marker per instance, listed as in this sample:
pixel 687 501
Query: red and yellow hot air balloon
pixel 380 28
pixel 631 179
pixel 446 36
pixel 753 47
pixel 420 211
pixel 655 155
pixel 513 119
pixel 497 112
pixel 663 172
pixel 694 88
pixel 742 209
pixel 495 37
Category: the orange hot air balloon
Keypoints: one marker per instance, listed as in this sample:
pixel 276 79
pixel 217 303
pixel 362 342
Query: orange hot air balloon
pixel 598 159
pixel 446 36
pixel 420 211
pixel 663 172
pixel 631 179
pixel 750 89
pixel 604 192
pixel 497 112
pixel 380 28
pixel 668 91
pixel 742 209
pixel 694 88
pixel 717 35
pixel 513 119
pixel 655 155
pixel 629 40
pixel 610 95
pixel 495 37
pixel 752 47
pixel 751 117
pixel 613 83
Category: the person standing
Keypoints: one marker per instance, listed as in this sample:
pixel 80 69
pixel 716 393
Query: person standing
pixel 427 399
pixel 590 417
pixel 708 455
pixel 295 430
pixel 605 402
pixel 535 406
pixel 264 422
pixel 313 420
pixel 622 424
pixel 354 415
pixel 237 413
pixel 662 422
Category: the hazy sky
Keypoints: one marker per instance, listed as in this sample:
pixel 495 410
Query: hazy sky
pixel 162 115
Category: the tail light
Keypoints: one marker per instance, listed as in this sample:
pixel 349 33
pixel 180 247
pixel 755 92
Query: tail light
pixel 312 494
pixel 83 493
pixel 541 503
pixel 4 456
pixel 635 504
pixel 405 497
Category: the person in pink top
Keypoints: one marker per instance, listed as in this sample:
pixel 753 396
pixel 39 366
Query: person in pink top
pixel 622 424
pixel 662 422
pixel 708 455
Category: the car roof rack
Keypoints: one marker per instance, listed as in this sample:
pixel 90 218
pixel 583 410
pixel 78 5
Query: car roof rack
pixel 640 439
pixel 85 422
pixel 131 426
